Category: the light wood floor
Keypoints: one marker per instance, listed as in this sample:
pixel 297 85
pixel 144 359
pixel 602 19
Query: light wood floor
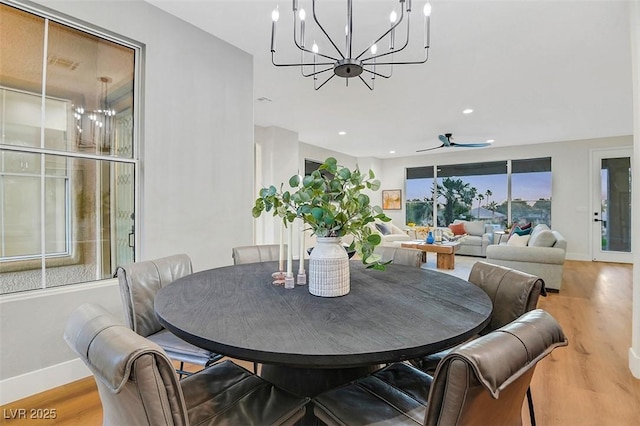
pixel 586 383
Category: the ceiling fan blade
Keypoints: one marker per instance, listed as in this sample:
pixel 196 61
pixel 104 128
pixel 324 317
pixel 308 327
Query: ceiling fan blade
pixel 444 140
pixel 470 145
pixel 429 149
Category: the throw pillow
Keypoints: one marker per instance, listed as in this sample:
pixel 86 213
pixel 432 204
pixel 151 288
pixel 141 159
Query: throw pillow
pixel 384 229
pixel 520 229
pixel 518 240
pixel 474 227
pixel 544 238
pixel 457 228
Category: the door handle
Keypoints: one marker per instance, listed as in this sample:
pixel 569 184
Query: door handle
pixel 597 220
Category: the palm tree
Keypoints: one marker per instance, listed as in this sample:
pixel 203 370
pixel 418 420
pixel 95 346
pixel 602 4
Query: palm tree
pixel 479 197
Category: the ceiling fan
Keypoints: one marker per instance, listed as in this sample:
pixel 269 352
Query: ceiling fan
pixel 447 142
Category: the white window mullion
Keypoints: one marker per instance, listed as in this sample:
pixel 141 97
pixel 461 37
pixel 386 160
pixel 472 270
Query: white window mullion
pixel 43 209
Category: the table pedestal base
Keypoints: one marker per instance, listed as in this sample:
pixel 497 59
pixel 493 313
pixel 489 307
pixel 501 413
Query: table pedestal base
pixel 312 381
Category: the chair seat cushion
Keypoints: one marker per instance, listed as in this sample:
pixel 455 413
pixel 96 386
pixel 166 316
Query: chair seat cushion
pixel 178 349
pixel 395 395
pixel 227 394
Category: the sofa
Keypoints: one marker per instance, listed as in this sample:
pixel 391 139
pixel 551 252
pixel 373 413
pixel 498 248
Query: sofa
pixel 478 237
pixel 543 255
pixel 391 235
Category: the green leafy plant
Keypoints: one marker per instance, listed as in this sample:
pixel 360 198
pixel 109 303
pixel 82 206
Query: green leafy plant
pixel 330 201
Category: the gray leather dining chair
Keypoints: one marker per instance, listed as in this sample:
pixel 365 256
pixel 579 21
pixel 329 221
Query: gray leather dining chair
pixel 481 382
pixel 255 254
pixel 400 255
pixel 139 282
pixel 512 293
pixel 138 386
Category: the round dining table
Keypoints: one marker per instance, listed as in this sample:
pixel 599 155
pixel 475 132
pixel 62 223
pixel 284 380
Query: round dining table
pixel 307 344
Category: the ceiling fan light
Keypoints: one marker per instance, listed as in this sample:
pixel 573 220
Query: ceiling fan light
pixel 427 9
pixel 393 16
pixel 302 14
pixel 275 15
pixel 490 141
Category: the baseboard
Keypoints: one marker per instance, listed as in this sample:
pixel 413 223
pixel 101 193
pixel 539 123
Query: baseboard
pixel 28 384
pixel 578 256
pixel 634 363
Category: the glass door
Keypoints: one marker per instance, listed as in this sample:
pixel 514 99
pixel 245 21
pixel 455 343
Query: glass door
pixel 611 222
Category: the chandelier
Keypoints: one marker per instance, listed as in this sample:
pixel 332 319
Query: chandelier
pixel 343 63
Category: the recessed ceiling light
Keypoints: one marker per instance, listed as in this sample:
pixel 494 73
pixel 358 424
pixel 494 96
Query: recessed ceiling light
pixel 467 111
pixel 392 152
pixel 342 133
pixel 490 141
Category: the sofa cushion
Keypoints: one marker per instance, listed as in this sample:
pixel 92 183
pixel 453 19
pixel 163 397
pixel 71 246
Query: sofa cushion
pixel 474 227
pixel 543 238
pixel 457 228
pixel 518 240
pixel 384 229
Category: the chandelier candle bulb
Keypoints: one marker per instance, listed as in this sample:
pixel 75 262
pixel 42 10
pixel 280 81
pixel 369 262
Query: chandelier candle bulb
pixel 302 14
pixel 275 15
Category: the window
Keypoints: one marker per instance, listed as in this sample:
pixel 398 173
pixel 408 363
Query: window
pixel 480 191
pixel 67 157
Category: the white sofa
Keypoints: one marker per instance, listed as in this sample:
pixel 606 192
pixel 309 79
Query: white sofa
pixel 479 236
pixel 543 256
pixel 391 235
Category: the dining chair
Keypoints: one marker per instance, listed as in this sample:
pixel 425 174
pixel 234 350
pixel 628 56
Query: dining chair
pixel 257 253
pixel 139 282
pixel 481 382
pixel 400 255
pixel 512 293
pixel 138 385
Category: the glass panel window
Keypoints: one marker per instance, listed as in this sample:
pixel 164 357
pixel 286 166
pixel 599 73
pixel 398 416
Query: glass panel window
pixel 472 191
pixel 419 190
pixel 480 191
pixel 531 191
pixel 67 165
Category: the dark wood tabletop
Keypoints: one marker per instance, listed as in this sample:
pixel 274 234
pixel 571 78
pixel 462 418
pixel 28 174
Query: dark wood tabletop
pixel 391 315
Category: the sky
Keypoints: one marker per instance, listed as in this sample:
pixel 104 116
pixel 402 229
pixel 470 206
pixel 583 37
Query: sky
pixel 525 186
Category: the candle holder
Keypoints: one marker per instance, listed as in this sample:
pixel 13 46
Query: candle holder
pixel 289 281
pixel 302 278
pixel 278 278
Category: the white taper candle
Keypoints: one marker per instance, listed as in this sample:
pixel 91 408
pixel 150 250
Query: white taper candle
pixel 289 249
pixel 281 255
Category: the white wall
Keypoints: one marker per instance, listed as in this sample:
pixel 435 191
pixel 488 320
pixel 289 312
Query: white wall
pixel 197 172
pixel 570 165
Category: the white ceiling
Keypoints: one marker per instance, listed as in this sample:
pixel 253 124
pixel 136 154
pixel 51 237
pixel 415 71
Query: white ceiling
pixel 533 72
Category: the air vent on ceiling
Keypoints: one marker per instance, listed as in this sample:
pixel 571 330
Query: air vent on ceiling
pixel 57 61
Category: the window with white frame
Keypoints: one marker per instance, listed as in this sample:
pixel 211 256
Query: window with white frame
pixel 67 151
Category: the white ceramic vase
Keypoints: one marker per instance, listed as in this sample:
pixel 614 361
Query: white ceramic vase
pixel 329 268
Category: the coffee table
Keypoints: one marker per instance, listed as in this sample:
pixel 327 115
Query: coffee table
pixel 446 258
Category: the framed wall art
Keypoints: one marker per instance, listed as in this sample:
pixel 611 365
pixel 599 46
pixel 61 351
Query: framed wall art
pixel 392 199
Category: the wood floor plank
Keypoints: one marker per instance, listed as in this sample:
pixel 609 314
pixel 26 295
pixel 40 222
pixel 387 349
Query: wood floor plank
pixel 586 383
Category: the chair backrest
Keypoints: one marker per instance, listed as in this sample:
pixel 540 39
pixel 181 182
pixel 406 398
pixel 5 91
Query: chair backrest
pixel 136 381
pixel 484 381
pixel 255 254
pixel 140 281
pixel 512 292
pixel 400 255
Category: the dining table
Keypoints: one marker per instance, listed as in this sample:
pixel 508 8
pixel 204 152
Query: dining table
pixel 308 344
